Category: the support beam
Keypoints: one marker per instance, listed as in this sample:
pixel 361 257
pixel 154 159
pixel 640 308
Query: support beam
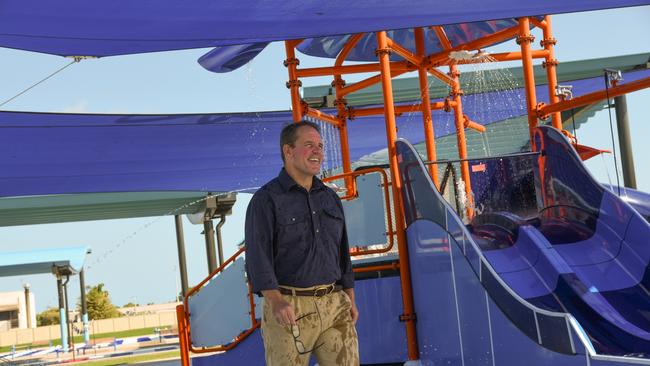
pixel 67 315
pixel 459 120
pixel 550 64
pixel 293 84
pixel 222 221
pixel 429 136
pixel 391 136
pixel 596 96
pixel 625 142
pixel 182 262
pixel 525 39
pixel 62 316
pixel 208 232
pixel 84 305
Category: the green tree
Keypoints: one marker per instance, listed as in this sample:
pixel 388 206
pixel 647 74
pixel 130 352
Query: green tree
pixel 48 317
pixel 99 303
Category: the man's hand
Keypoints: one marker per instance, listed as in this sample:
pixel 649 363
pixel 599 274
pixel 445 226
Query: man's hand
pixel 282 310
pixel 354 312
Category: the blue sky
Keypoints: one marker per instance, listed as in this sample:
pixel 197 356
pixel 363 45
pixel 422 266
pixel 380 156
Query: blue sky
pixel 136 258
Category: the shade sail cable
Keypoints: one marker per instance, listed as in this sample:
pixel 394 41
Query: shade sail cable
pixel 40 82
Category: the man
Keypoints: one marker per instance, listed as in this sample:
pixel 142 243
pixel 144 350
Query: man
pixel 297 257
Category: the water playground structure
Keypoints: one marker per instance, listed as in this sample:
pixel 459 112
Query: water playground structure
pixel 500 259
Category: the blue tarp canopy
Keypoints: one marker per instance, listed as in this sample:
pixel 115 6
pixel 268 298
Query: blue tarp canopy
pixel 42 260
pixel 104 28
pixel 45 153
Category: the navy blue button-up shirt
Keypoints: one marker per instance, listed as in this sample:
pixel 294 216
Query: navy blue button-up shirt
pixel 296 238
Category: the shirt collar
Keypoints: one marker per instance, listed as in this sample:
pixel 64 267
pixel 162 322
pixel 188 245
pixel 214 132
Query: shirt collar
pixel 287 182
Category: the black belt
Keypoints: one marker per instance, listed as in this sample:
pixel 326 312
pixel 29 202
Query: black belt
pixel 317 292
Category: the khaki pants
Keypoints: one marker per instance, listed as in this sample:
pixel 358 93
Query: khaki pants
pixel 324 327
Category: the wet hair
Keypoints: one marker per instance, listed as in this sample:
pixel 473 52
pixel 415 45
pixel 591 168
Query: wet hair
pixel 289 134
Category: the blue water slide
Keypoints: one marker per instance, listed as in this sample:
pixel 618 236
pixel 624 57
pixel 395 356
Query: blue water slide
pixel 546 240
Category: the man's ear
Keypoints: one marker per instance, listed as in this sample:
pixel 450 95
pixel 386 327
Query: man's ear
pixel 286 150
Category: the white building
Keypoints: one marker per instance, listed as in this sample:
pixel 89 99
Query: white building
pixel 17 310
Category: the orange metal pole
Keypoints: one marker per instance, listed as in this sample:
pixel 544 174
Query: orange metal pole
pixel 352 69
pixel 442 36
pixel 391 136
pixel 342 116
pixel 409 56
pixel 382 267
pixel 182 335
pixel 514 56
pixel 320 115
pixel 366 83
pixel 360 112
pixel 502 35
pixel 524 40
pixel 430 139
pixel 293 84
pixel 551 66
pixel 597 96
pixel 440 76
pixel 459 119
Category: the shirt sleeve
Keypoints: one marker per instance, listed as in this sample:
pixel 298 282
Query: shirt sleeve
pixel 258 234
pixel 347 276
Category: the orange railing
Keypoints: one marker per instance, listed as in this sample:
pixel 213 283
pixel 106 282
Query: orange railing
pixel 183 318
pixel 389 217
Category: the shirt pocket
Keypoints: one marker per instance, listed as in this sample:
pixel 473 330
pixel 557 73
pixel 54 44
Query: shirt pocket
pixel 293 232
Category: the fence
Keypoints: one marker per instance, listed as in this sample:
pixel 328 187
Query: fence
pixel 42 335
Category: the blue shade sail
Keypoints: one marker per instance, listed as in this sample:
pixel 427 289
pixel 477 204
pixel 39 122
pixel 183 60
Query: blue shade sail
pixel 49 153
pixel 105 28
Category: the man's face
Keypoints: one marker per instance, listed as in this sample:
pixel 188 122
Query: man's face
pixel 306 156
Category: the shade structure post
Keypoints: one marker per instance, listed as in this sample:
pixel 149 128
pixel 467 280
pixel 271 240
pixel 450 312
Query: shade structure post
pixel 391 135
pixel 182 262
pixel 429 136
pixel 625 141
pixel 84 305
pixel 62 314
pixel 211 253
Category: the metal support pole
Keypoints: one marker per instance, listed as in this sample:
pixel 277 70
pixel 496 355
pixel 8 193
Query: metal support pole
pixel 219 239
pixel 182 262
pixel 550 64
pixel 67 314
pixel 391 136
pixel 208 232
pixel 62 317
pixel 293 84
pixel 524 40
pixel 84 305
pixel 459 119
pixel 625 141
pixel 430 139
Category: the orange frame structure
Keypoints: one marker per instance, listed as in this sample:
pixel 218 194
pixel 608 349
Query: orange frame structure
pixel 384 70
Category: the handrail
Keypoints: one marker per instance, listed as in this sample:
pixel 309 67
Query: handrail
pixel 186 320
pixel 389 216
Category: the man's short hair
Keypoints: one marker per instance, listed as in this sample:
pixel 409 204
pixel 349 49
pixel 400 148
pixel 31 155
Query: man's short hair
pixel 289 134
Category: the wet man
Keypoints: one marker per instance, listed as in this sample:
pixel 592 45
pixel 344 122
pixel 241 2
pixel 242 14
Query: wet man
pixel 297 257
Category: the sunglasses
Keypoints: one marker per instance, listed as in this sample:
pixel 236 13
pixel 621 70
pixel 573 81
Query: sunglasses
pixel 295 332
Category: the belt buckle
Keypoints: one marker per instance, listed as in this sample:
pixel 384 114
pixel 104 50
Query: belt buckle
pixel 322 291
